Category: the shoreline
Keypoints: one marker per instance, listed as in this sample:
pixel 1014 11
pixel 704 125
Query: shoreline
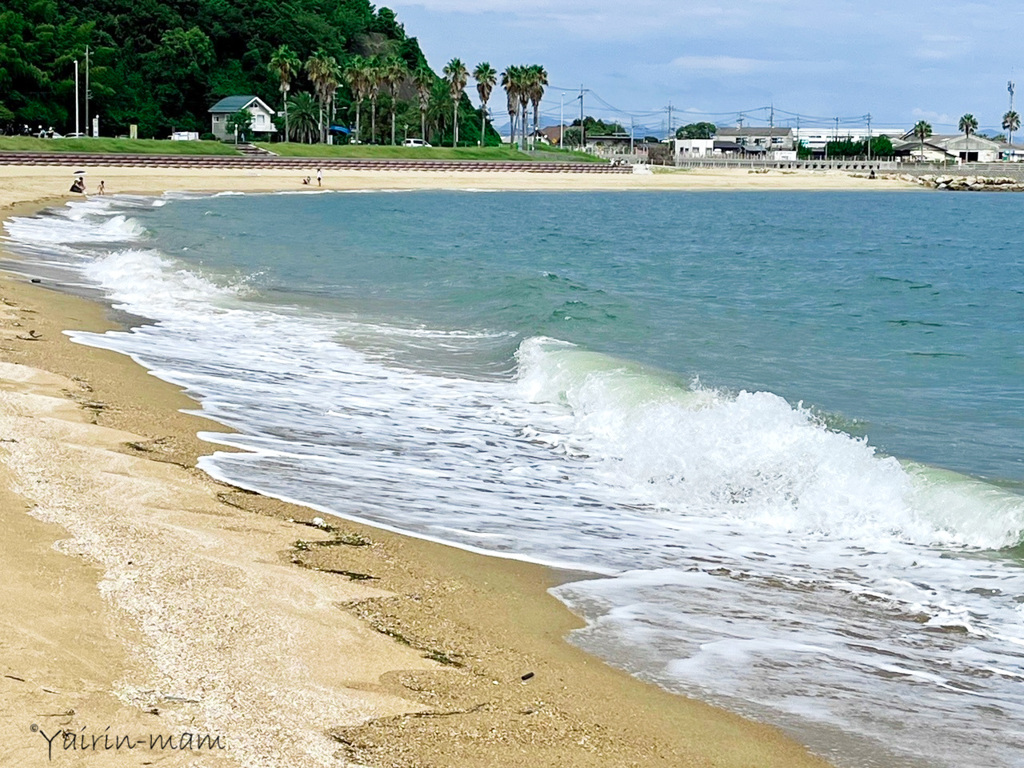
pixel 435 644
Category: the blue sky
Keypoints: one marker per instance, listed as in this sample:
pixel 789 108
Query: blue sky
pixel 899 61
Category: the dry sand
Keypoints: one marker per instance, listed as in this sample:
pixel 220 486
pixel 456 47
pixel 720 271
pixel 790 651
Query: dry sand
pixel 142 598
pixel 28 184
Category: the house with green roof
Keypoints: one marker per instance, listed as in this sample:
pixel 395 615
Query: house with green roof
pixel 262 115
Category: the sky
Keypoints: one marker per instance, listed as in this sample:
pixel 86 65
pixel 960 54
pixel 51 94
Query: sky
pixel 900 62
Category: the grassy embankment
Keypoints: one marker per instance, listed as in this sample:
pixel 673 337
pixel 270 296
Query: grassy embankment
pixel 376 152
pixel 118 146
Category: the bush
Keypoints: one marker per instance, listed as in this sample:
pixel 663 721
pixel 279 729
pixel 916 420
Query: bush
pixel 207 137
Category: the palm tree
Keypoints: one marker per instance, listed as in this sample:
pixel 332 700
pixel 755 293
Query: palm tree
pixel 1011 122
pixel 333 82
pixel 393 74
pixel 510 81
pixel 439 105
pixel 423 79
pixel 284 64
pixel 538 78
pixel 323 74
pixel 355 75
pixel 457 75
pixel 374 78
pixel 485 77
pixel 968 124
pixel 525 86
pixel 305 116
pixel 922 130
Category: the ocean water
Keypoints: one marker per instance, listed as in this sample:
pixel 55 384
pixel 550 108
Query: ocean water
pixel 787 429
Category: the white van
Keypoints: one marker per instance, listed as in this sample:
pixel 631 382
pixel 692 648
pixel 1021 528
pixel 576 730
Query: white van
pixel 415 143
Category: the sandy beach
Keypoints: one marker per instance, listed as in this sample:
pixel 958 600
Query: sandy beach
pixel 29 184
pixel 144 601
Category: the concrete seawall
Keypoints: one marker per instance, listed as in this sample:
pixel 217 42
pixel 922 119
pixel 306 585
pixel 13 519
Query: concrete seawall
pixel 296 163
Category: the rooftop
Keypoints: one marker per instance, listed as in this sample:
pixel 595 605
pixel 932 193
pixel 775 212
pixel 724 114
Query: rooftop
pixel 234 103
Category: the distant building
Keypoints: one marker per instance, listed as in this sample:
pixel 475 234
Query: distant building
pixel 918 151
pixel 551 135
pixel 692 149
pixel 757 140
pixel 614 144
pixel 956 146
pixel 262 115
pixel 815 139
pixel 1011 152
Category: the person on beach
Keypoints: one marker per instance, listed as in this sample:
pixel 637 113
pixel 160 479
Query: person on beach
pixel 78 185
pixel 319 177
pixel 100 189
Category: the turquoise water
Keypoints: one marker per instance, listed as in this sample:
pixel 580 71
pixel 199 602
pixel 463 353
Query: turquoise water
pixel 900 314
pixel 788 428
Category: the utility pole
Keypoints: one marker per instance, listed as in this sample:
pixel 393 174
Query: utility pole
pixel 583 128
pixel 76 96
pixel 561 120
pixel 1009 87
pixel 670 120
pixel 771 131
pixel 631 134
pixel 87 132
pixel 869 137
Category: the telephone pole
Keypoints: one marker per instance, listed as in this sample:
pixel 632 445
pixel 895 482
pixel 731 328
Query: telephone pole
pixel 583 128
pixel 869 137
pixel 670 120
pixel 87 131
pixel 1009 87
pixel 76 96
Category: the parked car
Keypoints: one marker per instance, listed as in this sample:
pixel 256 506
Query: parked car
pixel 415 143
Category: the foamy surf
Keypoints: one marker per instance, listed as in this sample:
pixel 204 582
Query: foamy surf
pixel 755 555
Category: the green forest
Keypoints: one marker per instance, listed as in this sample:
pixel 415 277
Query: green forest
pixel 161 64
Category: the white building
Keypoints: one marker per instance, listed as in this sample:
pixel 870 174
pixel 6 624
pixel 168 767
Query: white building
pixel 690 149
pixel 759 139
pixel 815 139
pixel 955 146
pixel 262 115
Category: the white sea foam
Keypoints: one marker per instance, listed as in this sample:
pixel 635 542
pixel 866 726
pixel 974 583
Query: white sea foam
pixel 148 281
pixel 755 458
pixel 79 227
pixel 759 558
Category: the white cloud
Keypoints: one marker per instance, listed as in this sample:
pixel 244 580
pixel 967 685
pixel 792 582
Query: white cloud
pixel 605 19
pixel 729 65
pixel 939 118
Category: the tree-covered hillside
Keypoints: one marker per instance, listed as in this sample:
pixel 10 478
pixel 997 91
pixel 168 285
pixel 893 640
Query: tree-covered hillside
pixel 163 63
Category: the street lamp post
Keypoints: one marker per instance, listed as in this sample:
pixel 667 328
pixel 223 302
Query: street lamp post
pixel 76 97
